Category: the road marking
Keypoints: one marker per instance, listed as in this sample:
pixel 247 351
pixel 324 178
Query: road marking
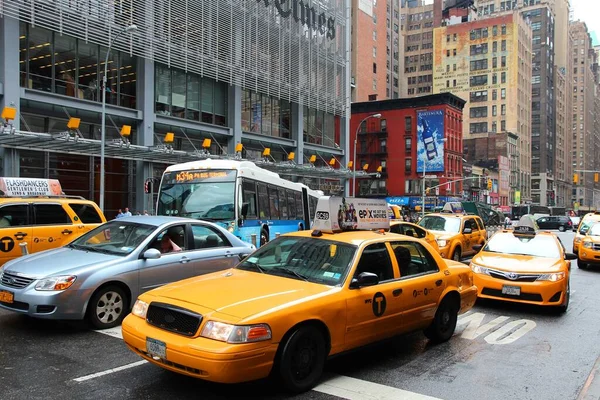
pixel 496 333
pixel 591 388
pixel 109 371
pixel 357 389
pixel 115 332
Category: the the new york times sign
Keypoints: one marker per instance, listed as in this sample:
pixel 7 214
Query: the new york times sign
pixel 305 14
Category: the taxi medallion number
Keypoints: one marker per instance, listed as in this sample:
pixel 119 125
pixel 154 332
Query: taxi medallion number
pixel 6 297
pixel 511 290
pixel 156 348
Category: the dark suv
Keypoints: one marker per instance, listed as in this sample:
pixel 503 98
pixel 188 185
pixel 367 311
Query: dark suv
pixel 555 222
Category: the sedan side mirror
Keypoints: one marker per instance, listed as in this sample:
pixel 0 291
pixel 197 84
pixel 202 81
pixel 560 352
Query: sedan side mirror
pixel 364 279
pixel 241 256
pixel 477 247
pixel 570 256
pixel 467 230
pixel 151 254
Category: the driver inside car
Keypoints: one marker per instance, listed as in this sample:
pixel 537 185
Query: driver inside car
pixel 167 245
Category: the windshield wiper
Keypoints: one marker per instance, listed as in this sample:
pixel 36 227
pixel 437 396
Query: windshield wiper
pixel 292 272
pixel 100 250
pixel 255 265
pixel 191 212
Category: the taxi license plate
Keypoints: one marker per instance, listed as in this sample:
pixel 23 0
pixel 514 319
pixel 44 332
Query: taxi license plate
pixel 156 348
pixel 511 290
pixel 7 297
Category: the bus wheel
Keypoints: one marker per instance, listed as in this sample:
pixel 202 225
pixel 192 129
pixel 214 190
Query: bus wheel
pixel 264 237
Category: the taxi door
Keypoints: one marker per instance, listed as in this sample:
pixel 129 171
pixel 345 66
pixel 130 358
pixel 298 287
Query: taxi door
pixel 52 227
pixel 421 281
pixel 469 238
pixel 373 312
pixel 15 228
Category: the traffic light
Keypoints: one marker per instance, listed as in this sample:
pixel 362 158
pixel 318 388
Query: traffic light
pixel 576 178
pixel 489 184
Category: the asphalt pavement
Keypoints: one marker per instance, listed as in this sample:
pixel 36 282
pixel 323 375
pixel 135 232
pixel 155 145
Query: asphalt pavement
pixel 499 351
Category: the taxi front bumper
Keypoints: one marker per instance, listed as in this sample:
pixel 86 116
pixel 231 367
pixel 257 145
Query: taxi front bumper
pixel 589 256
pixel 200 357
pixel 543 293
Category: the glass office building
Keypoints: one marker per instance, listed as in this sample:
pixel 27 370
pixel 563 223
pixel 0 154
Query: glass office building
pixel 261 73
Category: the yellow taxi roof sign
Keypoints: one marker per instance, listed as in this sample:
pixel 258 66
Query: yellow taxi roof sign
pixel 23 187
pixel 526 226
pixel 337 214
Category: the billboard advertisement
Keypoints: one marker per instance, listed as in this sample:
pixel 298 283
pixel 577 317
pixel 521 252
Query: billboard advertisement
pixel 430 145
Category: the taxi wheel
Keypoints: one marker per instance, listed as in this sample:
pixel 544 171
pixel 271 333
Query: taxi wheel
pixel 106 309
pixel 563 307
pixel 581 264
pixel 302 359
pixel 444 323
pixel 264 237
pixel 456 256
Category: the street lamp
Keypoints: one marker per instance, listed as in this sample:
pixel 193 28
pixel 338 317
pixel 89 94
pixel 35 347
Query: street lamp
pixel 355 144
pixel 127 29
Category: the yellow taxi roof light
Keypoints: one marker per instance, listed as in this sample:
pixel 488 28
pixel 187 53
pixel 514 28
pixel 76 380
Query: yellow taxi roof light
pixel 337 214
pixel 526 226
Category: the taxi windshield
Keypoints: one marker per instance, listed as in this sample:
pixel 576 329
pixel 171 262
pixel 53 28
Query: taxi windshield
pixel 309 259
pixel 439 223
pixel 526 245
pixel 594 230
pixel 585 226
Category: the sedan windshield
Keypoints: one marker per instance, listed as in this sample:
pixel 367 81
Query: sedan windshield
pixel 539 245
pixel 118 238
pixel 319 261
pixel 439 223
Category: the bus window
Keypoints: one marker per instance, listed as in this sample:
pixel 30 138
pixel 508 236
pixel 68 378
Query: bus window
pixel 291 204
pixel 283 203
pixel 274 202
pixel 249 197
pixel 313 205
pixel 263 201
pixel 299 206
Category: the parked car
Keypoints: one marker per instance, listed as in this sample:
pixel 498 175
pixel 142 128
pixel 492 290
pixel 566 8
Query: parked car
pixel 562 223
pixel 100 274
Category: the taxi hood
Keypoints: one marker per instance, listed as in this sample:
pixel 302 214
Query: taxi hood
pixel 518 263
pixel 241 294
pixel 444 235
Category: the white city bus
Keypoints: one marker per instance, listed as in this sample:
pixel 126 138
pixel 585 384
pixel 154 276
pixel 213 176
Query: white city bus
pixel 238 195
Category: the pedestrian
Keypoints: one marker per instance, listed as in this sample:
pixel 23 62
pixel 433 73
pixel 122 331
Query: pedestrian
pixel 127 213
pixel 146 212
pixel 506 222
pixel 120 214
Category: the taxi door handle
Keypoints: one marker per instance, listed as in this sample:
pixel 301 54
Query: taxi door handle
pixel 66 232
pixel 397 292
pixel 438 282
pixel 20 235
pixel 184 260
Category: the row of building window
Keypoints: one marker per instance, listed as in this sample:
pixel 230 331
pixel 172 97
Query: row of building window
pixel 482 127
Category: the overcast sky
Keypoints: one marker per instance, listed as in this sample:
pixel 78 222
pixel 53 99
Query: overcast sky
pixel 588 11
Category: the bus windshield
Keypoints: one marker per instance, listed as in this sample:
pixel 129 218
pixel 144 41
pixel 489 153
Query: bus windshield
pixel 203 194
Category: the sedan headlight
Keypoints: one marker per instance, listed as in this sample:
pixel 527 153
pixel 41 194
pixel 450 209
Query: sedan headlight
pixel 56 283
pixel 478 269
pixel 441 242
pixel 140 308
pixel 588 245
pixel 554 277
pixel 236 333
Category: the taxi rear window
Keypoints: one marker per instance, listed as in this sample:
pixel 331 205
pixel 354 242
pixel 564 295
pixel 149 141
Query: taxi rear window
pixel 86 213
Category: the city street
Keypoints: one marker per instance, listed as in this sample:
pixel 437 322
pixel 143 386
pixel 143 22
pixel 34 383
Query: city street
pixel 499 351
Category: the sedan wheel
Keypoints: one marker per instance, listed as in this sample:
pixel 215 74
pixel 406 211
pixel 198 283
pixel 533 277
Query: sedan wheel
pixel 107 307
pixel 561 228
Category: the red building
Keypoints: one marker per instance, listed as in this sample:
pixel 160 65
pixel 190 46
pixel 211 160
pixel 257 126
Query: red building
pixel 410 133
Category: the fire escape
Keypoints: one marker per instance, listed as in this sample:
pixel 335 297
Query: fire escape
pixel 372 153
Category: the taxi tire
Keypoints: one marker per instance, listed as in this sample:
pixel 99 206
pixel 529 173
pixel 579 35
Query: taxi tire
pixel 305 345
pixel 444 323
pixel 100 294
pixel 563 307
pixel 456 255
pixel 581 264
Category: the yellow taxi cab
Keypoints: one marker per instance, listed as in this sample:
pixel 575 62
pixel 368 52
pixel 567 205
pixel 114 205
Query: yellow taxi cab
pixel 588 220
pixel 455 233
pixel 301 298
pixel 414 230
pixel 524 265
pixel 395 212
pixel 36 214
pixel 589 252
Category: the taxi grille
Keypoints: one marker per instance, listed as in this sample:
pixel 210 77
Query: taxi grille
pixel 174 319
pixel 15 281
pixel 596 246
pixel 512 276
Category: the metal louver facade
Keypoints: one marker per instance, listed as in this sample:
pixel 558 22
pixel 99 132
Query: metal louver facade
pixel 291 49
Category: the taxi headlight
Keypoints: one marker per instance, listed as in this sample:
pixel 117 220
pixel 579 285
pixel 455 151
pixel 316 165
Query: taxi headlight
pixel 554 277
pixel 478 269
pixel 236 333
pixel 577 239
pixel 441 242
pixel 140 308
pixel 588 245
pixel 55 283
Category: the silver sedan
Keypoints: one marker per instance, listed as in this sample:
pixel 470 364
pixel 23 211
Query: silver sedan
pixel 98 275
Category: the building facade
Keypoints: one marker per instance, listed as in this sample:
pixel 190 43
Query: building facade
pixel 487 62
pixel 264 74
pixel 396 142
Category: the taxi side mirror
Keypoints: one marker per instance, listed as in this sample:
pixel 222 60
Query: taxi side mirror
pixel 151 254
pixel 364 279
pixel 477 247
pixel 570 256
pixel 467 230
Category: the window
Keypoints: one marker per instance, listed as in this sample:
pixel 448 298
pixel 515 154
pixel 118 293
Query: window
pixel 374 68
pixel 374 51
pixel 208 238
pixel 86 213
pixel 15 215
pixel 502 125
pixel 413 259
pixel 478 127
pixel 503 45
pixel 408 124
pixel 407 166
pixel 494 94
pixel 274 203
pixel 383 125
pixel 408 145
pixel 479 49
pixel 503 94
pixel 51 214
pixel 249 198
pixel 503 77
pixel 494 110
pixel 503 61
pixel 478 112
pixel 503 31
pixel 263 201
pixel 478 64
pixel 478 80
pixel 494 47
pixel 503 109
pixel 375 258
pixel 481 95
